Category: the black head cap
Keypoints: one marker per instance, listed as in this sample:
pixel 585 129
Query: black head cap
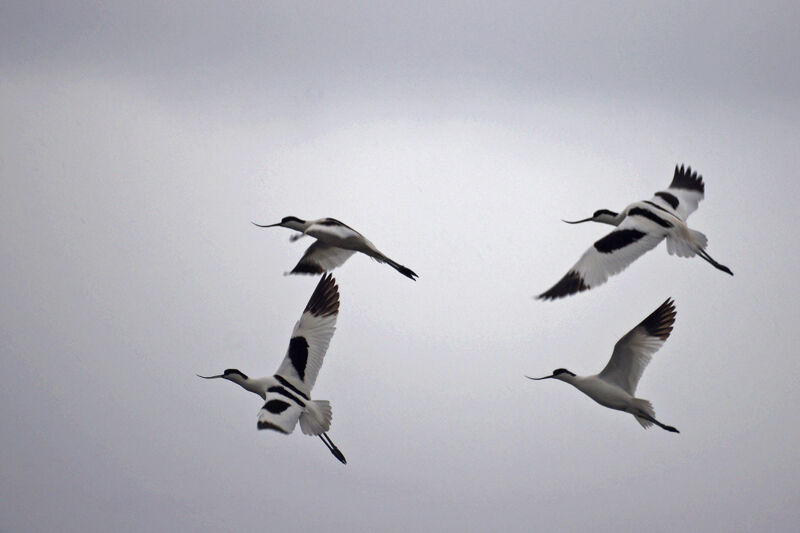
pixel 284 220
pixel 558 371
pixel 604 212
pixel 230 371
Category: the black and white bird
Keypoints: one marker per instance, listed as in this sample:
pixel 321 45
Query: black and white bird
pixel 287 394
pixel 640 227
pixel 615 386
pixel 335 243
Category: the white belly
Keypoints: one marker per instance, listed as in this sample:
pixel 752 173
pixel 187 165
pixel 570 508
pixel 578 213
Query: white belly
pixel 604 393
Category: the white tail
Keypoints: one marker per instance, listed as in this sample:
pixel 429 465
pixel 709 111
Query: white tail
pixel 316 418
pixel 682 247
pixel 638 404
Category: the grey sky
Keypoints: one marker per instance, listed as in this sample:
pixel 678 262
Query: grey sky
pixel 138 142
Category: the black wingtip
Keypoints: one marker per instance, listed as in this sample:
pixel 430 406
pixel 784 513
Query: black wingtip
pixel 684 178
pixel 660 322
pixel 325 299
pixel 571 283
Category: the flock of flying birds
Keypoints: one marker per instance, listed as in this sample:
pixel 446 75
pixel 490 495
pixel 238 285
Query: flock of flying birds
pixel 638 228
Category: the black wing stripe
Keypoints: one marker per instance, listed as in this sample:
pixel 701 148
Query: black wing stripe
pixel 659 323
pixel 325 300
pixel 648 202
pixel 638 211
pixel 291 387
pixel 686 179
pixel 618 239
pixel 286 394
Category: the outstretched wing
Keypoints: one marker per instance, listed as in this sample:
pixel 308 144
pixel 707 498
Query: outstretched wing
pixel 321 257
pixel 608 256
pixel 281 411
pixel 683 195
pixel 633 351
pixel 311 336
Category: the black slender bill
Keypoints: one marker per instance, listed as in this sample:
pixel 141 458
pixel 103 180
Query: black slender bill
pixel 265 225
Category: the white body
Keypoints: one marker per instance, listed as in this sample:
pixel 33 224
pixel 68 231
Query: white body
pixel 640 227
pixel 615 386
pixel 335 243
pixel 287 393
pixel 603 392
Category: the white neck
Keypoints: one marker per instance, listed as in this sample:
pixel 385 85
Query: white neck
pixel 608 219
pixel 256 386
pixel 297 226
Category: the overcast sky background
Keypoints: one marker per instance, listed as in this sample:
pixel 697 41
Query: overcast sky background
pixel 137 143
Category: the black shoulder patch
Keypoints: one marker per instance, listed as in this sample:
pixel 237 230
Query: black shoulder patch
pixel 686 179
pixel 571 283
pixel 638 211
pixel 276 406
pixel 670 199
pixel 298 355
pixel 325 300
pixel 618 239
pixel 333 222
pixel 659 322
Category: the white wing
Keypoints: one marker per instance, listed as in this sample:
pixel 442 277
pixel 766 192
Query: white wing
pixel 281 411
pixel 608 256
pixel 633 351
pixel 320 257
pixel 683 195
pixel 311 336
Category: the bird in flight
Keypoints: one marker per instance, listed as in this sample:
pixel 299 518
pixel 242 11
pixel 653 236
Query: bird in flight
pixel 639 229
pixel 335 243
pixel 287 393
pixel 615 386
